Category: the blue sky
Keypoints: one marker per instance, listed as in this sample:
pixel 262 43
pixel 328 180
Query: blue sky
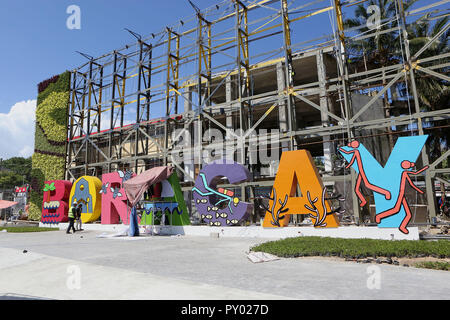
pixel 36 44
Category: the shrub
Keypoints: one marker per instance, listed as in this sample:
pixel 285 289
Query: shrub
pixel 27 229
pixel 44 84
pixel 48 160
pixel 352 248
pixel 437 265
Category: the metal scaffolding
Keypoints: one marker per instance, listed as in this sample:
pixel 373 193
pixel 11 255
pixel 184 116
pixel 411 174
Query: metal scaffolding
pixel 250 65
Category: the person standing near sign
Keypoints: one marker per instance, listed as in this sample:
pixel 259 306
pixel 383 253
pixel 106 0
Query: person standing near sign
pixel 78 217
pixel 72 212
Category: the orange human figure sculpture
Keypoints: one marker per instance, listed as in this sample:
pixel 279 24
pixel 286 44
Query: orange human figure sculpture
pixel 362 175
pixel 401 200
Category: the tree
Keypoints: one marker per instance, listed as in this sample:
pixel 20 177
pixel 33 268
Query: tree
pixel 433 93
pixel 385 49
pixel 381 50
pixel 16 171
pixel 9 179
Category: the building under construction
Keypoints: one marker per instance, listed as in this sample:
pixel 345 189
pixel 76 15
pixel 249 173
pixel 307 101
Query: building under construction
pixel 252 65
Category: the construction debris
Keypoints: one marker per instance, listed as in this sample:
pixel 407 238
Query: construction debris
pixel 257 257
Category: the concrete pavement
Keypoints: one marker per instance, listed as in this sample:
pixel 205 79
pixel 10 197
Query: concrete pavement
pixel 82 266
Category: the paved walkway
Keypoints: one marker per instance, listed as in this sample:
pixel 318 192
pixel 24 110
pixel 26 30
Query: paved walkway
pixel 82 266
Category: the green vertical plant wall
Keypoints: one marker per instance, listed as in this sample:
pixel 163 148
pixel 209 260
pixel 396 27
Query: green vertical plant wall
pixel 48 160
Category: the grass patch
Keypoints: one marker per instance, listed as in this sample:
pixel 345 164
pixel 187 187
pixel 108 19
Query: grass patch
pixel 354 248
pixel 27 229
pixel 437 265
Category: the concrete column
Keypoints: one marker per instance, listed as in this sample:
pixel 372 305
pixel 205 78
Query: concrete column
pixel 229 97
pixel 188 158
pixel 197 138
pixel 282 107
pixel 187 99
pixel 230 94
pixel 324 105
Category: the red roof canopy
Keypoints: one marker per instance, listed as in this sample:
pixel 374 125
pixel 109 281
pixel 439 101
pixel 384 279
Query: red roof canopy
pixel 6 204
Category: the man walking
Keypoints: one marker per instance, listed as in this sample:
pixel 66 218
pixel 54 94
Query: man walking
pixel 71 215
pixel 78 217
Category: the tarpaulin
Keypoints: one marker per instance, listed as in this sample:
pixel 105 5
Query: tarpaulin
pixel 133 230
pixel 135 187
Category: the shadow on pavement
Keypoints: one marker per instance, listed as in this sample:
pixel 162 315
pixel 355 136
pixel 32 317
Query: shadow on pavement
pixel 15 296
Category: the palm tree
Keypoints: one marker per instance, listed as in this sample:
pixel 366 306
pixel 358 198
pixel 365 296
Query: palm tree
pixel 433 93
pixel 385 49
pixel 381 50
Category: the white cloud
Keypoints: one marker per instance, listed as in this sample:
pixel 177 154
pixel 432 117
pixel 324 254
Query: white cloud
pixel 17 130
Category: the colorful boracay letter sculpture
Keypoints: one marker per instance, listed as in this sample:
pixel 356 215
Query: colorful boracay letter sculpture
pixel 114 199
pixel 55 204
pixel 171 207
pixel 86 190
pixel 218 206
pixel 388 183
pixel 297 170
